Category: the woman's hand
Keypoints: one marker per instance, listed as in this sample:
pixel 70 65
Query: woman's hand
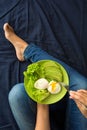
pixel 80 97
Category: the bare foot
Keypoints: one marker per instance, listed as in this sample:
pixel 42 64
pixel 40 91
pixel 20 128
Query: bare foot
pixel 18 43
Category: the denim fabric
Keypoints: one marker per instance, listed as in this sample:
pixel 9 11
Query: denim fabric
pixel 23 108
pixel 57 26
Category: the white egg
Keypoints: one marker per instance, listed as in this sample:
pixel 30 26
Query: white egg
pixel 41 83
pixel 54 87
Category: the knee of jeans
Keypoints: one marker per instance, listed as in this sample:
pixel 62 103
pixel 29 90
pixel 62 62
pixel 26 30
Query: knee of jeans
pixel 83 83
pixel 15 94
pixel 79 83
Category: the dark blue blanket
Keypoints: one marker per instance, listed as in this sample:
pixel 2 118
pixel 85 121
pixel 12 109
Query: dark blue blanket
pixel 57 26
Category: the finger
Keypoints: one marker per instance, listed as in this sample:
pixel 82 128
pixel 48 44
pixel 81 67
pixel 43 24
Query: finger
pixel 80 105
pixel 79 96
pixel 83 92
pixel 74 95
pixel 82 95
pixel 81 108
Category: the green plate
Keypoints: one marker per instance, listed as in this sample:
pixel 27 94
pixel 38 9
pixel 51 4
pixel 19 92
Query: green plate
pixel 47 65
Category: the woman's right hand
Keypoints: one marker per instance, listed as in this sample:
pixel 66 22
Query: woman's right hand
pixel 80 98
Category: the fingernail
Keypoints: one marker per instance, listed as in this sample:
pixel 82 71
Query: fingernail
pixel 70 92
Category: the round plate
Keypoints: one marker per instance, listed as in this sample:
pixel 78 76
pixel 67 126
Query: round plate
pixel 52 98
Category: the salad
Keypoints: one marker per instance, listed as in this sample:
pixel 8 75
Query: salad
pixel 41 80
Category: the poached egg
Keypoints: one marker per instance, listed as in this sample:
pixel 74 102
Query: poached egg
pixel 53 87
pixel 41 83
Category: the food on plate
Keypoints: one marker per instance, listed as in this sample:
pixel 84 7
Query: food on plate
pixel 54 87
pixel 41 83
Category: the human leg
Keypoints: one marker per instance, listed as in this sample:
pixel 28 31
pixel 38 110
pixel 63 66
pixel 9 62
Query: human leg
pixel 23 108
pixel 19 45
pixel 77 81
pixel 15 40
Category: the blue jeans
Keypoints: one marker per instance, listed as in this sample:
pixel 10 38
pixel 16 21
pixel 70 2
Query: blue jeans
pixel 24 109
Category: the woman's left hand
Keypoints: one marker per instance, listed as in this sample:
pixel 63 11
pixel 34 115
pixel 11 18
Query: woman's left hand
pixel 80 97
